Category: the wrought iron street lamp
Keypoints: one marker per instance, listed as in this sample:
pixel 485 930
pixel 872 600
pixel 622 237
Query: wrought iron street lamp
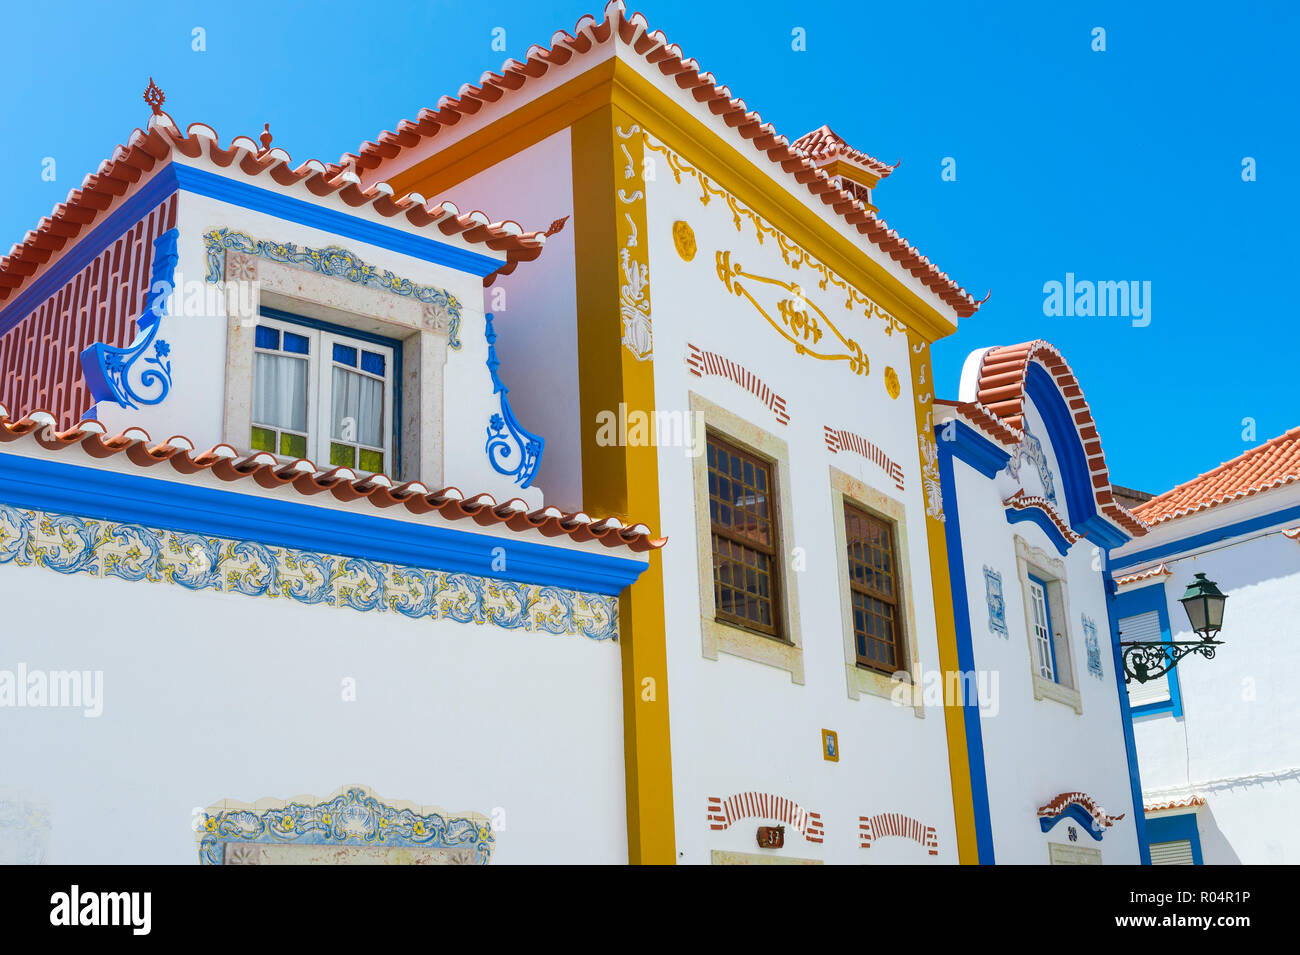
pixel 1203 602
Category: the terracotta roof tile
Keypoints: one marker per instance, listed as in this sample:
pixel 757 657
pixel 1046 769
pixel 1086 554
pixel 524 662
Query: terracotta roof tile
pixel 1147 573
pixel 1084 802
pixel 1187 802
pixel 652 46
pixel 823 145
pixel 244 158
pixel 305 478
pixel 985 420
pixel 1272 464
pixel 1001 387
pixel 1020 501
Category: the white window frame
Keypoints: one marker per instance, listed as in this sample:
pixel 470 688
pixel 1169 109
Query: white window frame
pixel 1041 629
pixel 320 366
pixel 1062 686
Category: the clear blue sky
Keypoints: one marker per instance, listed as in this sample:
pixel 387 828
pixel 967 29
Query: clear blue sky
pixel 1122 165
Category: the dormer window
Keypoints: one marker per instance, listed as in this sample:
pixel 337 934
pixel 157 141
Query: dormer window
pixel 322 393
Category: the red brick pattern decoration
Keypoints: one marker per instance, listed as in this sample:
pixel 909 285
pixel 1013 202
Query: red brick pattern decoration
pixel 703 363
pixel 871 828
pixel 724 812
pixel 39 364
pixel 838 441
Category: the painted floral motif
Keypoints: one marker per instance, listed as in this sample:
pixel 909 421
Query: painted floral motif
pixel 354 819
pixel 1031 452
pixel 333 261
pixel 72 545
pixel 996 602
pixel 1093 646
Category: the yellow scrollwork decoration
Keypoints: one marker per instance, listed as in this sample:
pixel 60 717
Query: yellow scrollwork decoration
pixel 795 318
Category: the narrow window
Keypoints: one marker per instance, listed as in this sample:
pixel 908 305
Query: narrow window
pixel 873 582
pixel 1042 624
pixel 743 521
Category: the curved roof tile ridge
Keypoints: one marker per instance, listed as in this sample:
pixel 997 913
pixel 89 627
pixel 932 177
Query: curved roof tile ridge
pixel 304 477
pixel 1001 390
pixel 654 48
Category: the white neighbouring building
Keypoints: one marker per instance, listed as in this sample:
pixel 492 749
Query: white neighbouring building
pixel 1031 515
pixel 1219 740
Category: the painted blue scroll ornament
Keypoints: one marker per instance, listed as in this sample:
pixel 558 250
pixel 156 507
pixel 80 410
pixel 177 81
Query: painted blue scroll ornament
pixel 511 450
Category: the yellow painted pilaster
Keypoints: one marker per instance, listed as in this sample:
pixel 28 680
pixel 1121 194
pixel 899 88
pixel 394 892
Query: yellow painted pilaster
pixel 616 369
pixel 954 718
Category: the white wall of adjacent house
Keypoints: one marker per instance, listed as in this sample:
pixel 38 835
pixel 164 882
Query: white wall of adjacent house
pixel 219 696
pixel 1237 743
pixel 1036 749
pixel 196 328
pixel 740 725
pixel 534 307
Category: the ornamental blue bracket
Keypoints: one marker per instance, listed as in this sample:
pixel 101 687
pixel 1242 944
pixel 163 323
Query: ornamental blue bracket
pixel 1079 815
pixel 511 450
pixel 141 373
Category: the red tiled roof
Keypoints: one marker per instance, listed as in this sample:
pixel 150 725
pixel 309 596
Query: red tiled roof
pixel 269 168
pixel 657 52
pixel 305 478
pixel 980 416
pixel 1020 501
pixel 823 145
pixel 1187 802
pixel 1273 464
pixel 1084 802
pixel 1148 573
pixel 1001 387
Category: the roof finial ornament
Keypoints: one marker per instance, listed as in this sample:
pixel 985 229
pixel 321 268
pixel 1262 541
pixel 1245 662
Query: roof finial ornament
pixel 154 97
pixel 265 137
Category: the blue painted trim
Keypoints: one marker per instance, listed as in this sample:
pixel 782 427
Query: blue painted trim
pixel 1075 812
pixel 129 498
pixel 1196 541
pixel 1036 515
pixel 204 183
pixel 1126 721
pixel 965 653
pixel 1071 459
pixel 1130 603
pixel 88 248
pixel 973 448
pixel 1173 828
pixel 295 319
pixel 507 439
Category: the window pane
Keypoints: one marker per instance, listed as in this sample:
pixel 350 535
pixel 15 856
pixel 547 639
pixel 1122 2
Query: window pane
pixel 263 439
pixel 372 460
pixel 295 343
pixel 293 445
pixel 343 455
pixel 357 408
pixel 372 363
pixel 267 337
pixel 872 575
pixel 345 355
pixel 280 391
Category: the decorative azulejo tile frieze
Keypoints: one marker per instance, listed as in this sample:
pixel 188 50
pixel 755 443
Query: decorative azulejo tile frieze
pixel 77 545
pixel 337 262
pixel 344 828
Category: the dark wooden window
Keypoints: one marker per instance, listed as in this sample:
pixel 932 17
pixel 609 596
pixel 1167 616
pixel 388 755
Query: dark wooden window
pixel 873 583
pixel 742 514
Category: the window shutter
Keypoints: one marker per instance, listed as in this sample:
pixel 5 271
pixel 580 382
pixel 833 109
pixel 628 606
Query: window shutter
pixel 1172 853
pixel 1144 628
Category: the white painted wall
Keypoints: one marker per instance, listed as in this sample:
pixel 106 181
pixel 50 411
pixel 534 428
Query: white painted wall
pixel 1238 741
pixel 221 696
pixel 1037 749
pixel 739 725
pixel 534 309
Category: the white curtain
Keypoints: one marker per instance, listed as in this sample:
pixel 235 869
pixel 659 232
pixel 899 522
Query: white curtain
pixel 361 399
pixel 280 391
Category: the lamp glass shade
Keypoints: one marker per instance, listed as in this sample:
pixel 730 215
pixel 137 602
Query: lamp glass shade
pixel 1204 602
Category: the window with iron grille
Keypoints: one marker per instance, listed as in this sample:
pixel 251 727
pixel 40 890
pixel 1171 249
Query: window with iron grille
pixel 873 583
pixel 742 516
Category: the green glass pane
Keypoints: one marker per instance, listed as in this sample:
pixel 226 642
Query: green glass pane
pixel 372 460
pixel 293 445
pixel 343 455
pixel 263 439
